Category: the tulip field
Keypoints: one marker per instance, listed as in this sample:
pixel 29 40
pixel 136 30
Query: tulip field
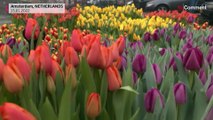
pixel 111 63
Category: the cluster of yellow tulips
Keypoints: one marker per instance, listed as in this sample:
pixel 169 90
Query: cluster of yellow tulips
pixel 127 20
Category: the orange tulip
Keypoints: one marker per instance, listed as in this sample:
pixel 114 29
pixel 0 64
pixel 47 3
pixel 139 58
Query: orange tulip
pixel 94 55
pixel 118 63
pixel 56 68
pixel 71 57
pixel 21 64
pixel 107 56
pixel 63 47
pixel 93 106
pixel 41 58
pixel 76 40
pixel 113 78
pixel 1 70
pixel 121 44
pixel 13 80
pixel 5 50
pixel 11 111
pixel 115 51
pixel 30 26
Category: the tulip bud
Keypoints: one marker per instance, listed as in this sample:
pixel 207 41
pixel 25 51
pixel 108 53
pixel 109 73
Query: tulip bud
pixel 180 93
pixel 202 76
pixel 63 48
pixel 172 62
pixel 193 59
pixel 134 77
pixel 139 63
pixel 147 37
pixel 11 111
pixel 56 68
pixel 155 36
pixel 71 73
pixel 115 51
pixel 5 50
pixel 13 80
pixel 209 56
pixel 209 91
pixel 93 106
pixel 182 34
pixel 21 64
pixel 29 28
pixel 157 72
pixel 151 98
pixel 113 78
pixel 50 84
pixel 71 57
pixel 121 44
pixel 209 116
pixel 76 40
pixel 1 70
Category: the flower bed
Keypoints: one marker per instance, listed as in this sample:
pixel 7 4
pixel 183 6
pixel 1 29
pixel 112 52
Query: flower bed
pixel 52 72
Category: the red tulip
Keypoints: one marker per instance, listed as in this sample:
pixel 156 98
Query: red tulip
pixel 63 47
pixel 21 64
pixel 121 44
pixel 71 57
pixel 113 78
pixel 56 68
pixel 29 28
pixel 93 106
pixel 41 58
pixel 76 40
pixel 13 80
pixel 1 70
pixel 107 56
pixel 11 111
pixel 94 54
pixel 115 51
pixel 5 50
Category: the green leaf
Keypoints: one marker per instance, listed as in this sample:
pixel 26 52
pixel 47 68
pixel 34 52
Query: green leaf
pixel 59 88
pixel 65 105
pixel 168 81
pixel 130 89
pixel 182 74
pixel 104 90
pixel 47 112
pixel 104 115
pixel 86 76
pixel 150 76
pixel 134 117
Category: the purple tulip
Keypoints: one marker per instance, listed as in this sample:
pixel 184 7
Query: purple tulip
pixel 172 62
pixel 209 56
pixel 190 19
pixel 147 37
pixel 168 38
pixel 209 116
pixel 193 59
pixel 180 93
pixel 1 44
pixel 202 76
pixel 177 27
pixel 162 32
pixel 209 39
pixel 187 45
pixel 123 62
pixel 139 63
pixel 155 36
pixel 162 51
pixel 209 91
pixel 11 41
pixel 157 72
pixel 134 77
pixel 151 98
pixel 135 45
pixel 182 34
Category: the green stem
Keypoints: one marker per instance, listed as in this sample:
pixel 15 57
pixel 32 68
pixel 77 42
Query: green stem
pixel 191 79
